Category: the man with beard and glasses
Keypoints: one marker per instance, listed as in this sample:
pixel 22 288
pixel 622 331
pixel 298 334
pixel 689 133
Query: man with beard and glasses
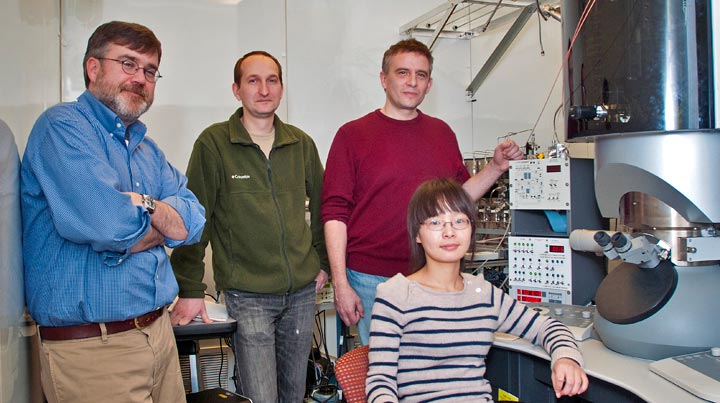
pixel 99 204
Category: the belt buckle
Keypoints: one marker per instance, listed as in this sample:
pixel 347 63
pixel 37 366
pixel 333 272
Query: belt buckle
pixel 138 325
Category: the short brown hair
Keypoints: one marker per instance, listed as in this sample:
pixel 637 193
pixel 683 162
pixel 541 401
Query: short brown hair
pixel 134 36
pixel 432 198
pixel 411 45
pixel 238 64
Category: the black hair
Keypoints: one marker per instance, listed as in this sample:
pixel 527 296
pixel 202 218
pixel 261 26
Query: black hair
pixel 432 198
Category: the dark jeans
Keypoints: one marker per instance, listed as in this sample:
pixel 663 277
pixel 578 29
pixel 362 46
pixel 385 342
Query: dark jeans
pixel 272 342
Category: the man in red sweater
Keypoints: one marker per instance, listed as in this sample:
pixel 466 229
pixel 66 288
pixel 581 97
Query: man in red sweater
pixel 375 164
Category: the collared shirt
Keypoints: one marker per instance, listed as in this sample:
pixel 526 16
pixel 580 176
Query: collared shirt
pixel 79 226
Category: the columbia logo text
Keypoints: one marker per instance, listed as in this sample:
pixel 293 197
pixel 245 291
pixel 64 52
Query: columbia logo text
pixel 236 176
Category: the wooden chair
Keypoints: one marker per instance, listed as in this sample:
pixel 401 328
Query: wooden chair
pixel 350 371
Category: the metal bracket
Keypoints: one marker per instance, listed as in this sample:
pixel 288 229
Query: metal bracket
pixel 501 48
pixel 699 249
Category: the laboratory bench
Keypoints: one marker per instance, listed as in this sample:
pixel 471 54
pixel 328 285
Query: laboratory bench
pixel 521 369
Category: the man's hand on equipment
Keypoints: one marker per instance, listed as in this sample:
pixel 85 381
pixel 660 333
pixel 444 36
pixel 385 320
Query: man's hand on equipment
pixel 504 153
pixel 186 309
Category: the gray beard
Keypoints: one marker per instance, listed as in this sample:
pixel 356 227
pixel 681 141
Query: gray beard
pixel 112 99
pixel 123 110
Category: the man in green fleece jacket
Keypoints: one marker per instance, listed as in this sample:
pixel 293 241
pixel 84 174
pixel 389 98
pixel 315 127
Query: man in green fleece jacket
pixel 253 174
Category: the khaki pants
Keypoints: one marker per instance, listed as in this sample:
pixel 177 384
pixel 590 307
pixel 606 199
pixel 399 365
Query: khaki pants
pixel 137 366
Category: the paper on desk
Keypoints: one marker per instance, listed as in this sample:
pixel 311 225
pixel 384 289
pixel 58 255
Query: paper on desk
pixel 216 312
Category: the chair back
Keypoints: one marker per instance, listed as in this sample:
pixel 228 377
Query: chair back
pixel 351 370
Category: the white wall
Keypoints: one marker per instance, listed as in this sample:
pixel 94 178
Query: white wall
pixel 201 41
pixel 330 50
pixel 30 79
pixel 335 51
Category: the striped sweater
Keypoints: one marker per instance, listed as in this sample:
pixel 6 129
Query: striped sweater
pixel 428 346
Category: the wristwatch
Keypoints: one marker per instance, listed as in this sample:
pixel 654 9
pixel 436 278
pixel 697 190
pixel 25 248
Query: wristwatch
pixel 149 203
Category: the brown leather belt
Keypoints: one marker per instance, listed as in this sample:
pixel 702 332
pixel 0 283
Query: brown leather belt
pixel 93 329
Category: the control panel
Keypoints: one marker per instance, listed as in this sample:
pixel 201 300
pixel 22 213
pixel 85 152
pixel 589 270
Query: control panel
pixel 579 319
pixel 540 184
pixel 540 269
pixel 698 373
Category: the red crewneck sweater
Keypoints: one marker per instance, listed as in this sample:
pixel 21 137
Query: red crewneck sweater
pixel 374 166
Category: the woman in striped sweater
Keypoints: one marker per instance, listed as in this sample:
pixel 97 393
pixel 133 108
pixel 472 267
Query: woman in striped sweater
pixel 432 330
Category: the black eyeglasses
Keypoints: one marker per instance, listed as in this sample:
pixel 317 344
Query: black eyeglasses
pixel 434 224
pixel 130 67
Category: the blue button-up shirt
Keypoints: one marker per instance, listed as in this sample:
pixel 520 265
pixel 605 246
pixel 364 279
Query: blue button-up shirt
pixel 79 226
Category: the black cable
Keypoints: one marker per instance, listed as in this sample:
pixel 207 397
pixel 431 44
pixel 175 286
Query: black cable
pixel 229 343
pixel 323 367
pixel 539 12
pixel 321 332
pixel 222 359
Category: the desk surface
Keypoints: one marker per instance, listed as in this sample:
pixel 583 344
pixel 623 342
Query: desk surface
pixel 201 330
pixel 630 373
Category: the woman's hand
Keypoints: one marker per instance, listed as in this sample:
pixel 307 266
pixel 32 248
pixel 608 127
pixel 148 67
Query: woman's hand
pixel 568 378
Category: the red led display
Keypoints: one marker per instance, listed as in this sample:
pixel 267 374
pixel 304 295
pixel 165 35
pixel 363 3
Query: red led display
pixel 529 299
pixel 553 168
pixel 557 249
